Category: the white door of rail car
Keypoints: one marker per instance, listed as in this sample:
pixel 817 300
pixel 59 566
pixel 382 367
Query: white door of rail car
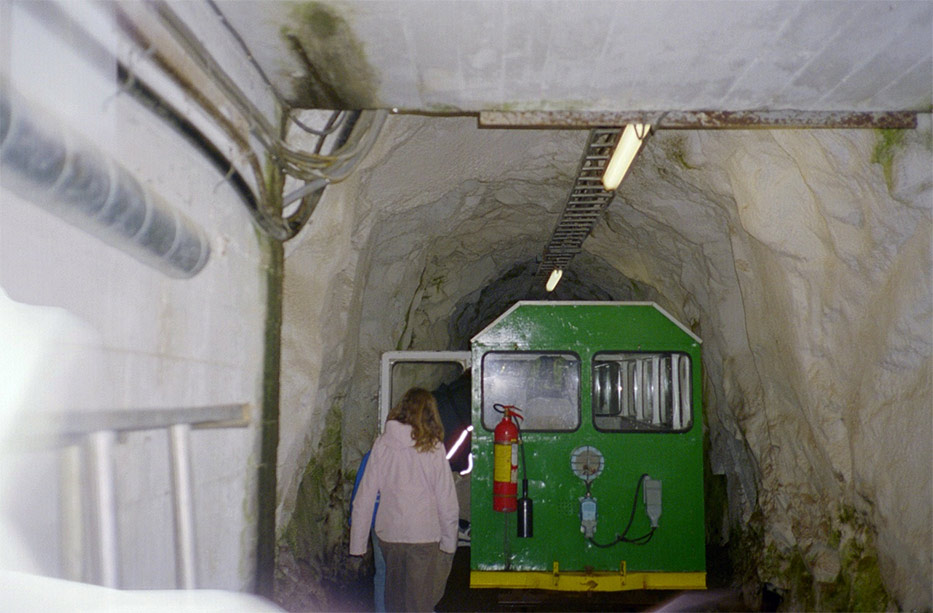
pixel 446 374
pixel 402 370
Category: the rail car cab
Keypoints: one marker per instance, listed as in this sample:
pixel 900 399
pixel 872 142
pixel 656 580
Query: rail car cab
pixel 603 413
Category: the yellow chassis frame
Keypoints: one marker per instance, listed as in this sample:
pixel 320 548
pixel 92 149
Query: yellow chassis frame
pixel 586 582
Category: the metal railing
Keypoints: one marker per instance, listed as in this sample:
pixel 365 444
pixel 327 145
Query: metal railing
pixel 96 433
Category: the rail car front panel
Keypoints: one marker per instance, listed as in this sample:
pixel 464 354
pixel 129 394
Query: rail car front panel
pixel 612 435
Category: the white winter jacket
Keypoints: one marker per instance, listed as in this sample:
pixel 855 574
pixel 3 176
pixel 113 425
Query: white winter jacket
pixel 417 499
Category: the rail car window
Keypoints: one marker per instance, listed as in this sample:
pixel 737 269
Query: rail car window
pixel 545 386
pixel 635 392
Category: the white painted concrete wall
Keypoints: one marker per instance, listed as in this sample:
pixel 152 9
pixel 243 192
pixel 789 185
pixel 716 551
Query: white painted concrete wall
pixel 648 55
pixel 106 332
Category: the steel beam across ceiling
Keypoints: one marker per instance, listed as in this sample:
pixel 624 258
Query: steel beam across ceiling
pixel 701 120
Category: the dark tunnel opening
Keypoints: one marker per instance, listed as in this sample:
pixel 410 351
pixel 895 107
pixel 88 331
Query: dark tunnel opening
pixel 588 278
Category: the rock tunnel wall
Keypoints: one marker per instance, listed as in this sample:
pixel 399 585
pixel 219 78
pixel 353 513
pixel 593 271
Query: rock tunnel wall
pixel 802 258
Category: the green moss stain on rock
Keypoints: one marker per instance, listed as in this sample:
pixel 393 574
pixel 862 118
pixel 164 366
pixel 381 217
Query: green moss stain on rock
pixel 316 491
pixel 787 572
pixel 674 148
pixel 860 577
pixel 835 538
pixel 336 73
pixel 324 23
pixel 317 533
pixel 857 586
pixel 801 582
pixel 889 141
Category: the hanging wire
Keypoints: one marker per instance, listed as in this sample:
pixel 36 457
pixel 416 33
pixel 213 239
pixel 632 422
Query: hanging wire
pixel 333 124
pixel 336 119
pixel 316 169
pixel 623 537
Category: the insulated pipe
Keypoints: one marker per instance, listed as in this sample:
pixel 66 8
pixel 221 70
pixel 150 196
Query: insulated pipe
pixel 54 168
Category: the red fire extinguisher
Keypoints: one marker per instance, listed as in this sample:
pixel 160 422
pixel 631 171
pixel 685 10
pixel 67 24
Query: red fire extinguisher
pixel 505 461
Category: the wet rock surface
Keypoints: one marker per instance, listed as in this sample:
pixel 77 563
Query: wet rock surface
pixel 802 258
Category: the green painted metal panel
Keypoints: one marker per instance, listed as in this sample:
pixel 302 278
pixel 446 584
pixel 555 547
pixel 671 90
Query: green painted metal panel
pixel 674 458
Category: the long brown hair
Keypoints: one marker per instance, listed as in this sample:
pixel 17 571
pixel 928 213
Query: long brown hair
pixel 418 409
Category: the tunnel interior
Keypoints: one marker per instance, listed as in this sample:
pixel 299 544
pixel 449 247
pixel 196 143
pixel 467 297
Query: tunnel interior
pixel 732 232
pixel 801 256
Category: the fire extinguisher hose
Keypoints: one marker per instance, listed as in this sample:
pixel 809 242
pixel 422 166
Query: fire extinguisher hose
pixel 525 520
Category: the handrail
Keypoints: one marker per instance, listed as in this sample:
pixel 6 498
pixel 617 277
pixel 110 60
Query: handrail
pixel 78 423
pixel 97 430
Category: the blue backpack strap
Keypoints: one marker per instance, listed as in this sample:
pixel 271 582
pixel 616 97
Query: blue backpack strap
pixel 356 485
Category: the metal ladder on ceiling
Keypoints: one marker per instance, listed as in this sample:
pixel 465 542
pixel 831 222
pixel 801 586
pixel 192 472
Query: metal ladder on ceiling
pixel 585 205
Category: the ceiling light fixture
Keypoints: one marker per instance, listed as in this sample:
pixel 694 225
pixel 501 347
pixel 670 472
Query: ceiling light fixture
pixel 554 279
pixel 629 143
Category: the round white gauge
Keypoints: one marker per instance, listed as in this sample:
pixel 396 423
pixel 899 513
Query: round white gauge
pixel 587 462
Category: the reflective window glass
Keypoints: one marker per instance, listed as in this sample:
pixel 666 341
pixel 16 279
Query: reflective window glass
pixel 544 386
pixel 642 392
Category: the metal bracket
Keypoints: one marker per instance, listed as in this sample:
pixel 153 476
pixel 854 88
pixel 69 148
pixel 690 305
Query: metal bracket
pixel 622 572
pixel 556 573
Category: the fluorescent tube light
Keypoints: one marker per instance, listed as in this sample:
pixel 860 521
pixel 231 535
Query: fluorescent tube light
pixel 632 138
pixel 553 280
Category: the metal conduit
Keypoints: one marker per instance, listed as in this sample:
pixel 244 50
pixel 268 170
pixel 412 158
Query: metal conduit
pixel 54 168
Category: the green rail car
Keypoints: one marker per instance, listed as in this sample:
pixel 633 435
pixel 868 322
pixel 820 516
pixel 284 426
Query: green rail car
pixel 612 436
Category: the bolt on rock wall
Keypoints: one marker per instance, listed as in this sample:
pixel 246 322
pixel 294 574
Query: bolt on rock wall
pixel 802 258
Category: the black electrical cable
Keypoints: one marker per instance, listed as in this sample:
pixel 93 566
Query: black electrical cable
pixel 604 545
pixel 348 124
pixel 280 228
pixel 643 539
pixel 623 537
pixel 150 100
pixel 631 516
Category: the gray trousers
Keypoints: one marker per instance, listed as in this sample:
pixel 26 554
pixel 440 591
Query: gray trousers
pixel 416 575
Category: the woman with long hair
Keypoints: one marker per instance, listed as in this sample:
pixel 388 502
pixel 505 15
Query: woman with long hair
pixel 416 525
